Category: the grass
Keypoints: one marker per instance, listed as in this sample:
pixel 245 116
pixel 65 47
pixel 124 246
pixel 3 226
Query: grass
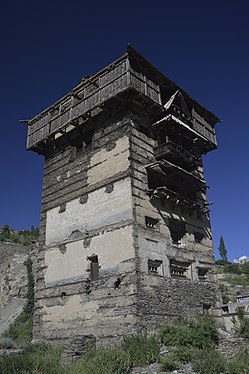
pixel 34 360
pixel 208 361
pixel 142 348
pixel 137 350
pixel 239 280
pixel 201 333
pixel 115 361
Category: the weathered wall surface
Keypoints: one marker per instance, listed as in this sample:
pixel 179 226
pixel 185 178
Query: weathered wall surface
pixel 114 249
pixel 95 203
pixel 102 310
pixel 90 215
pixel 87 211
pixel 164 298
pixel 160 295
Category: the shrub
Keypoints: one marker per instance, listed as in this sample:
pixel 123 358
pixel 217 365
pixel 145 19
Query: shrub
pixel 34 360
pixel 142 348
pixel 169 362
pixel 243 328
pixel 239 365
pixel 245 269
pixel 240 280
pixel 201 333
pixel 104 361
pixel 208 362
pixel 183 354
pixel 232 268
pixel 6 342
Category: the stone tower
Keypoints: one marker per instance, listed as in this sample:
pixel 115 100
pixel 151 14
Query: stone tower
pixel 125 232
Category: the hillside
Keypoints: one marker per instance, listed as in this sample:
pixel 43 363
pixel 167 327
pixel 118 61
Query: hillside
pixel 13 280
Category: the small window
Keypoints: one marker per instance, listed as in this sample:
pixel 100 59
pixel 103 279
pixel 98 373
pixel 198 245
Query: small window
pixel 94 267
pixel 155 267
pixel 206 308
pixel 225 309
pixel 198 236
pixel 202 274
pixel 152 223
pixel 62 208
pixel 178 269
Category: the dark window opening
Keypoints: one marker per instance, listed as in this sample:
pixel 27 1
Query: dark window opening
pixel 85 142
pixel 94 267
pixel 202 274
pixel 62 208
pixel 178 269
pixel 176 185
pixel 177 230
pixel 206 308
pixel 152 223
pixel 154 265
pixel 198 237
pixel 225 309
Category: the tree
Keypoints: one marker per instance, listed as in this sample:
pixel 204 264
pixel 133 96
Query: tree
pixel 222 250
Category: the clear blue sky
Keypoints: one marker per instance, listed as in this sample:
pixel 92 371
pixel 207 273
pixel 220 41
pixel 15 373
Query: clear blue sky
pixel 47 46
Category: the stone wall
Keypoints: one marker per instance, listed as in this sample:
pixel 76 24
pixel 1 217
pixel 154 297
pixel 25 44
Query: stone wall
pixel 95 205
pixel 87 212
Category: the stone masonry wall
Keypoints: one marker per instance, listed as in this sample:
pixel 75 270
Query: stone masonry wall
pixel 86 210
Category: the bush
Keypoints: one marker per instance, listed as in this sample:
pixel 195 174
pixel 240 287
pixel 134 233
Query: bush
pixel 243 327
pixel 169 363
pixel 201 333
pixel 34 360
pixel 240 364
pixel 142 348
pixel 183 354
pixel 208 362
pixel 233 268
pixel 104 361
pixel 245 269
pixel 6 343
pixel 239 280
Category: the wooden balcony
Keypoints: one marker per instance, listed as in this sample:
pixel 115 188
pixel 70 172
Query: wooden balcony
pixel 131 80
pixel 88 99
pixel 176 154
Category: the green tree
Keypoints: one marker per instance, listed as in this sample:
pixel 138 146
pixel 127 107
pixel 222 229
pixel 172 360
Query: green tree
pixel 222 250
pixel 5 233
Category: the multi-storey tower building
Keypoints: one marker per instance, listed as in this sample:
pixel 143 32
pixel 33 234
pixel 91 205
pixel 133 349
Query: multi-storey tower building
pixel 125 231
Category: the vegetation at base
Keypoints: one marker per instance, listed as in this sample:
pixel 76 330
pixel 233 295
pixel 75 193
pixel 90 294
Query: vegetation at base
pixel 170 362
pixel 199 333
pixel 6 343
pixel 113 361
pixel 24 237
pixel 239 365
pixel 193 341
pixel 208 361
pixel 20 331
pixel 138 350
pixel 142 348
pixel 34 360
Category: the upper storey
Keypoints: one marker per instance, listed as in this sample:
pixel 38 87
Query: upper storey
pixel 131 80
